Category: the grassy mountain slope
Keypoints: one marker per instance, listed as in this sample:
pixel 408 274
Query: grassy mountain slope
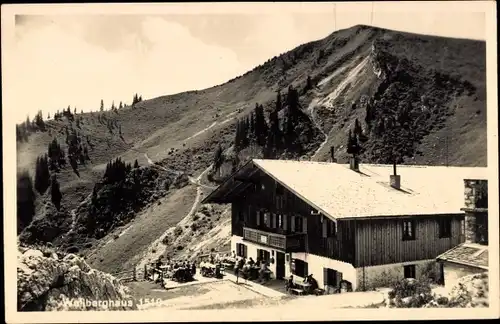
pixel 349 69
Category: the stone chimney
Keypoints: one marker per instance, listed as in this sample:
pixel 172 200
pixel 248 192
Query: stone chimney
pixel 395 179
pixel 354 163
pixel 332 154
pixel 476 211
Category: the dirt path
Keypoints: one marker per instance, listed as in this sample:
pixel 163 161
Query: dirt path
pixel 157 248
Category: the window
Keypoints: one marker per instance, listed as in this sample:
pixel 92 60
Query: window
pixel 408 230
pixel 409 271
pixel 299 268
pixel 263 255
pixel 330 277
pixel 241 250
pixel 267 220
pixel 299 224
pixel 444 227
pixel 280 221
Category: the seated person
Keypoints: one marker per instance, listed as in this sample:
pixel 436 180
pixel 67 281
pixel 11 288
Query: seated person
pixel 289 283
pixel 241 263
pixel 313 282
pixel 263 270
pixel 159 263
pixel 251 262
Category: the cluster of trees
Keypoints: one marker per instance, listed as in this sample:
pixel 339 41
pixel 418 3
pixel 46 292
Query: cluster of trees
pixel 27 127
pixel 65 113
pixel 44 180
pixel 271 136
pixel 124 189
pixel 117 171
pixel 136 99
pixel 77 151
pixel 56 155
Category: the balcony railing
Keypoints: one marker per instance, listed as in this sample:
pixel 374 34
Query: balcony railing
pixel 290 243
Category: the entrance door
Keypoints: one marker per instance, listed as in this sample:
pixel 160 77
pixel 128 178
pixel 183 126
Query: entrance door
pixel 280 265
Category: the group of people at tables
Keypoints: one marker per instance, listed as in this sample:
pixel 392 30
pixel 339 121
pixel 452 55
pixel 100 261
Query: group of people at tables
pixel 308 284
pixel 250 269
pixel 182 271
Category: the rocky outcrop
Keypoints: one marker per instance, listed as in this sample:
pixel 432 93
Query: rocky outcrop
pixel 50 281
pixel 378 68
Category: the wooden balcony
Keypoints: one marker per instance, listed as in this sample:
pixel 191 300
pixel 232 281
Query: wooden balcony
pixel 288 243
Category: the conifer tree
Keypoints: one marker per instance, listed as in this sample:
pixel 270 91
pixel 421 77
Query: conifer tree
pixel 55 192
pixel 42 174
pixel 357 128
pixel 291 119
pixel 353 146
pixel 25 201
pixel 252 128
pixel 102 105
pixel 136 164
pixel 28 123
pixel 218 158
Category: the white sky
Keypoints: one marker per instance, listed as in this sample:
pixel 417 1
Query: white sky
pixel 66 59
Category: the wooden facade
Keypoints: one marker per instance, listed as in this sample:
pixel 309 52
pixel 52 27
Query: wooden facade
pixel 380 241
pixel 266 213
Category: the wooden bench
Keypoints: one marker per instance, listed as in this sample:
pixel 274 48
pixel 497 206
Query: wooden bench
pixel 297 291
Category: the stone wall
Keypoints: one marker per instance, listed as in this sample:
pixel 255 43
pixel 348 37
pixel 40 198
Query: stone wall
pixel 369 278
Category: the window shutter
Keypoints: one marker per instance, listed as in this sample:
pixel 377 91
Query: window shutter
pixel 292 223
pixel 325 277
pixel 304 224
pixel 245 251
pixel 306 269
pixel 285 222
pixel 325 232
pixel 273 220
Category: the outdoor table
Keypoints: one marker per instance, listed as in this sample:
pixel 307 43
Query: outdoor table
pixel 303 285
pixel 228 264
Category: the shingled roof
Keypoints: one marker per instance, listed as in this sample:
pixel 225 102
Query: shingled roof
pixel 474 255
pixel 341 193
